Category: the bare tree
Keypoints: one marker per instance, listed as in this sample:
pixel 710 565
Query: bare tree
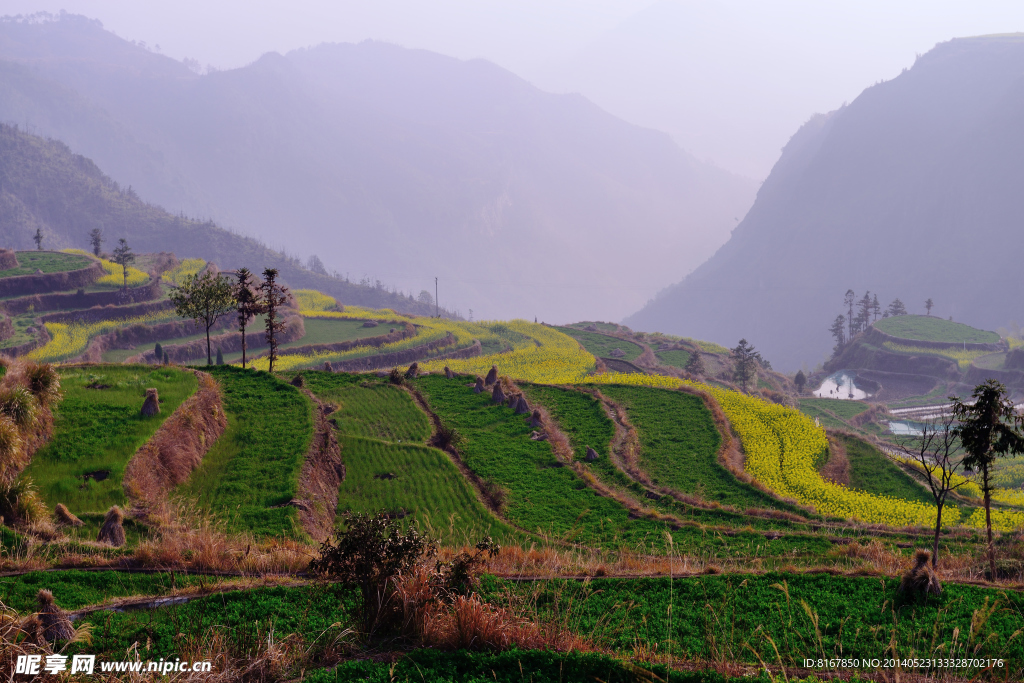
pixel 937 451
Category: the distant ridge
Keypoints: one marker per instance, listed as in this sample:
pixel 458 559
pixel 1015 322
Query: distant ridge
pixel 911 191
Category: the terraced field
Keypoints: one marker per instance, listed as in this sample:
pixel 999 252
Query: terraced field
pixel 677 358
pixel 251 474
pixel 47 261
pixel 929 328
pixel 98 427
pixel 602 345
pixel 388 466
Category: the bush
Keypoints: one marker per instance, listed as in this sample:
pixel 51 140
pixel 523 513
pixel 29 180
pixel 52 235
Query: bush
pixel 20 503
pixel 43 382
pixel 369 555
pixel 18 404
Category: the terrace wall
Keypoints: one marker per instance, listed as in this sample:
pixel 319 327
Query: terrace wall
pixel 81 299
pixel 22 285
pixel 877 337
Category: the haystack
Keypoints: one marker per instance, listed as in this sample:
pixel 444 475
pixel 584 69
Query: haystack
pixel 497 395
pixel 591 328
pixel 538 436
pixel 327 366
pixel 55 621
pixel 921 580
pixel 492 376
pixel 617 353
pixel 522 407
pixel 479 386
pixel 152 405
pixel 591 455
pixel 298 381
pixel 413 371
pixel 371 323
pixel 112 532
pixel 536 420
pixel 448 372
pixel 65 517
pixel 8 259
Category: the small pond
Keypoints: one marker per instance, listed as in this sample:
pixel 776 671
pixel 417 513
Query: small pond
pixel 905 427
pixel 842 384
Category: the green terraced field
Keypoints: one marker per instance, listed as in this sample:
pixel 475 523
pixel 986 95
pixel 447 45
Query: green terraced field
pixel 679 446
pixel 47 261
pixel 842 409
pixel 382 432
pixel 602 345
pixel 97 431
pixel 733 614
pixel 252 472
pixel 871 471
pixel 73 588
pixel 677 358
pixel 928 328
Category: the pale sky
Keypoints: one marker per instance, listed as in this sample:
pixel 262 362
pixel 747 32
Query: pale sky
pixel 730 80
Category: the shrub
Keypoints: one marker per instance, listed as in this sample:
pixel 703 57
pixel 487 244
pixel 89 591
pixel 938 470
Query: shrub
pixel 43 382
pixel 460 576
pixel 20 503
pixel 396 377
pixel 18 404
pixel 369 554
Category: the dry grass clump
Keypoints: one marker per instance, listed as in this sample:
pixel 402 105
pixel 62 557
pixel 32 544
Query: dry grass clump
pixel 920 580
pixel 151 406
pixel 20 405
pixel 112 531
pixel 55 621
pixel 66 517
pixel 20 504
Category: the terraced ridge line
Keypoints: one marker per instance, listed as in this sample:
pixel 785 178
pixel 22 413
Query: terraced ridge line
pixel 177 447
pixel 322 473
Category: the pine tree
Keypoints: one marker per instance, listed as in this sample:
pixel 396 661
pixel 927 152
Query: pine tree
pixel 800 381
pixel 928 306
pixel 38 239
pixel 838 331
pixel 876 308
pixel 273 297
pixel 695 366
pixel 96 240
pixel 746 360
pixel 848 301
pixel 158 352
pixel 247 303
pixel 897 308
pixel 123 256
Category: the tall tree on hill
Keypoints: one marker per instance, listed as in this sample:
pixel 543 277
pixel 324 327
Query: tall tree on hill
pixel 38 239
pixel 247 302
pixel 897 308
pixel 124 257
pixel 876 308
pixel 848 301
pixel 746 360
pixel 206 299
pixel 864 312
pixel 800 381
pixel 936 453
pixel 96 240
pixel 695 366
pixel 988 428
pixel 928 306
pixel 838 331
pixel 273 297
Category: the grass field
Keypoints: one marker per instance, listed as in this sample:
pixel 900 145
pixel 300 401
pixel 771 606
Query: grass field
pixel 47 261
pixel 252 472
pixel 928 328
pixel 677 358
pixel 318 331
pixel 871 471
pixel 731 617
pixel 602 345
pixel 601 327
pixel 382 432
pixel 74 588
pixel 98 431
pixel 679 446
pixel 120 355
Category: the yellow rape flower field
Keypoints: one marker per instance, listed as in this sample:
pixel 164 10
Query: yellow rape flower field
pixel 115 274
pixel 190 266
pixel 963 358
pixel 68 340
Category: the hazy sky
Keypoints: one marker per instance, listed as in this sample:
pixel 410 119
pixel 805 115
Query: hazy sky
pixel 731 80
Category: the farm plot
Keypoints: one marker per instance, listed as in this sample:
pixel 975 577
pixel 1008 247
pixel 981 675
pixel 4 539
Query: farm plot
pixel 871 471
pixel 677 358
pixel 602 345
pixel 74 588
pixel 929 328
pixel 544 496
pixel 732 617
pixel 382 431
pixel 47 261
pixel 251 473
pixel 97 428
pixel 679 446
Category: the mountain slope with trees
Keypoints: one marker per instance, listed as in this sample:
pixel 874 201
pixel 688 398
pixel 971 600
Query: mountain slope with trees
pixel 46 187
pixel 399 164
pixel 912 190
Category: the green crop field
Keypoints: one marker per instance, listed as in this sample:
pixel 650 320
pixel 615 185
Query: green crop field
pixel 840 408
pixel 74 588
pixel 601 327
pixel 927 328
pixel 318 331
pixel 679 446
pixel 732 616
pixel 382 431
pixel 98 430
pixel 252 472
pixel 602 345
pixel 47 261
pixel 871 471
pixel 677 358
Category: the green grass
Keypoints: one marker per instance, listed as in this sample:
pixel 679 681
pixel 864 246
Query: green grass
pixel 74 589
pixel 252 472
pixel 727 616
pixel 47 261
pixel 832 413
pixel 601 327
pixel 546 497
pixel 318 331
pixel 100 430
pixel 679 446
pixel 871 471
pixel 21 336
pixel 927 328
pixel 120 355
pixel 382 431
pixel 602 345
pixel 677 358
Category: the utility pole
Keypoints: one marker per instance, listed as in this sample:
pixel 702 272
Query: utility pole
pixel 436 313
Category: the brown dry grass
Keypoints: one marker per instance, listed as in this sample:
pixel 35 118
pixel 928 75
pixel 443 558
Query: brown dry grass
pixel 322 473
pixel 175 450
pixel 837 469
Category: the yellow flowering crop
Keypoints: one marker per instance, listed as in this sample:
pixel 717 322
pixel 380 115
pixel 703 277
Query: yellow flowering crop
pixel 115 274
pixel 68 340
pixel 311 301
pixel 963 358
pixel 190 266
